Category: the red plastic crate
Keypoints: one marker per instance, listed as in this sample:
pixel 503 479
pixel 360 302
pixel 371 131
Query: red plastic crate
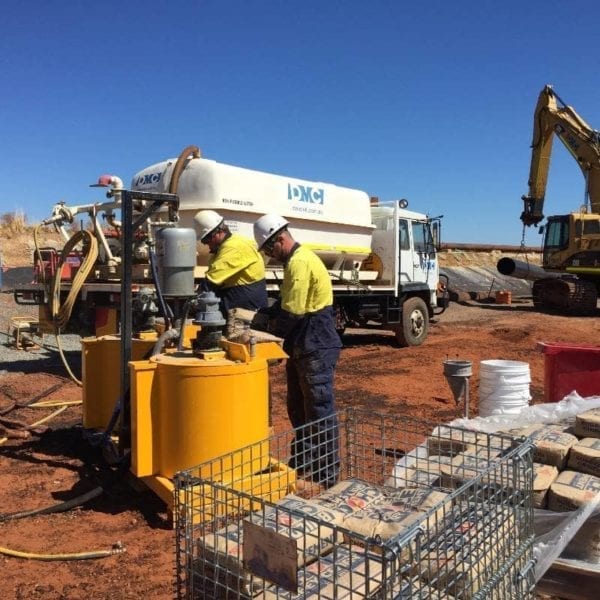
pixel 570 367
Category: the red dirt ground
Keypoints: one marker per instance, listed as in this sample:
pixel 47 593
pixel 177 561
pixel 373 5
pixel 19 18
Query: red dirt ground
pixel 58 464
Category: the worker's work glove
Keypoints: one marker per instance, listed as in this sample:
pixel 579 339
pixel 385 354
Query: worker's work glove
pixel 240 327
pixel 238 322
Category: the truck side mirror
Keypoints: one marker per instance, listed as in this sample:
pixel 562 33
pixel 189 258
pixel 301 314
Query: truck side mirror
pixel 435 234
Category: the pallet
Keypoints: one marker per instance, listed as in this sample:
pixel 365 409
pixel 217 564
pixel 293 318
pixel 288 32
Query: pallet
pixel 571 580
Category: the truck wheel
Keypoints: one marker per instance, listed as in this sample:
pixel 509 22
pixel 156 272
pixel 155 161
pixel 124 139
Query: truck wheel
pixel 415 323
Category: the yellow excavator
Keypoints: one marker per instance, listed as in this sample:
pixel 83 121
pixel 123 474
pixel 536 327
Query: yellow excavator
pixel 571 249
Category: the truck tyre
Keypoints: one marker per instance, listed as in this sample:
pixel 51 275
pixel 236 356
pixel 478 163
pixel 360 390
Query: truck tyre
pixel 415 323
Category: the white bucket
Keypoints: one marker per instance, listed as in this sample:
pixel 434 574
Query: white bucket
pixel 503 387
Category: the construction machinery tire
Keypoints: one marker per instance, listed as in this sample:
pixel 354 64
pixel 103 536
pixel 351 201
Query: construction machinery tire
pixel 413 329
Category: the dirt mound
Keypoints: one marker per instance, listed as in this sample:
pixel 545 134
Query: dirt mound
pixel 17 247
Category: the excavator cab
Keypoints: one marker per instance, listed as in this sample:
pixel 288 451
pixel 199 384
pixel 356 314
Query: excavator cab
pixel 556 239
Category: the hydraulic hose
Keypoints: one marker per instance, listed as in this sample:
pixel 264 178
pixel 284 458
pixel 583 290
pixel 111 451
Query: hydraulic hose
pixel 55 508
pixel 48 417
pixel 444 290
pixel 16 425
pixel 61 313
pixel 63 358
pixel 50 403
pixel 117 548
pixel 117 411
pixel 165 336
pixel 31 401
pixel 164 307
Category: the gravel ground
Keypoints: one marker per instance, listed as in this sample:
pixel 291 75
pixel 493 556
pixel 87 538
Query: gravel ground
pixel 45 355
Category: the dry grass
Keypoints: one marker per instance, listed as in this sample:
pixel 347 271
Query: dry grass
pixel 13 223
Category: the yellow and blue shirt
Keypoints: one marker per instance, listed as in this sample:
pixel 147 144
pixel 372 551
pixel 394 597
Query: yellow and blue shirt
pixel 236 262
pixel 237 274
pixel 307 296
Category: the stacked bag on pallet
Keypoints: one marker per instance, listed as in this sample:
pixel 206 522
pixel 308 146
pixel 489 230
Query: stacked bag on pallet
pixel 329 564
pixel 566 440
pixel 451 545
pixel 574 451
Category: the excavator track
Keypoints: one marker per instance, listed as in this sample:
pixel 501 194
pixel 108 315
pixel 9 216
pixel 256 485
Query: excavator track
pixel 569 296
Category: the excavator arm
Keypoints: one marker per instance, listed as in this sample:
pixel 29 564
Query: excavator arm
pixel 553 117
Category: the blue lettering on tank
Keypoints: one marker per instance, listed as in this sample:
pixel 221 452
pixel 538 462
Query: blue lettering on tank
pixel 306 193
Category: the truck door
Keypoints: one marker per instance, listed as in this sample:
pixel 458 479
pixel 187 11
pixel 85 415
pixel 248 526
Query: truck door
pixel 425 257
pixel 405 254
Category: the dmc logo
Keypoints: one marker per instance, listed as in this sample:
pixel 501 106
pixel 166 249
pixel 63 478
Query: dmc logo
pixel 148 179
pixel 304 193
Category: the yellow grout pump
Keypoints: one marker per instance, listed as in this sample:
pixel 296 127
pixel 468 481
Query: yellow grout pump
pixel 188 408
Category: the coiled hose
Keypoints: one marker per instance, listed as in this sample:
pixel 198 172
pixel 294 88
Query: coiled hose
pixel 61 313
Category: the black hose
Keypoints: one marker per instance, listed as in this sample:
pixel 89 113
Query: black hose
pixel 164 307
pixel 114 417
pixel 61 507
pixel 116 412
pixel 14 404
pixel 445 295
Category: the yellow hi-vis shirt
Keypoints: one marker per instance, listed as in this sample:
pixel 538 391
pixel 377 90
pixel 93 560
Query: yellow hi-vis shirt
pixel 236 262
pixel 306 286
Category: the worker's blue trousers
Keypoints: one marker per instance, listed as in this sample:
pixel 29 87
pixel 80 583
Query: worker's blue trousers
pixel 311 407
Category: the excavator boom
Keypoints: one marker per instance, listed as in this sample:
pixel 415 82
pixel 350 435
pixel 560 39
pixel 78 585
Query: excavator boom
pixel 553 117
pixel 571 249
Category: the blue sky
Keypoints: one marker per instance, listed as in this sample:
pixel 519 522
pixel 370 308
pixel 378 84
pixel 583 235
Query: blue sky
pixel 428 101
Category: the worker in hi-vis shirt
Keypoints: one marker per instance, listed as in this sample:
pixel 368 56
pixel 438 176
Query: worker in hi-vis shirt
pixel 236 270
pixel 307 323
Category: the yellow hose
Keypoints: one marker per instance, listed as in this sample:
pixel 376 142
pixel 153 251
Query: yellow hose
pixel 2 440
pixel 64 359
pixel 47 417
pixel 61 313
pixel 52 403
pixel 116 549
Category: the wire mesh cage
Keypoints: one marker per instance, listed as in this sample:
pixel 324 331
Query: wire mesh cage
pixel 359 505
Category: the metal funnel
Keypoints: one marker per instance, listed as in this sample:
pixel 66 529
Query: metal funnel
pixel 457 374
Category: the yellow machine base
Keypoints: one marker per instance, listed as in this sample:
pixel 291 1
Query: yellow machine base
pixel 199 501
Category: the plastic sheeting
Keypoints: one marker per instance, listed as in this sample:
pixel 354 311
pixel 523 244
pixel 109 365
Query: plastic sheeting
pixel 553 530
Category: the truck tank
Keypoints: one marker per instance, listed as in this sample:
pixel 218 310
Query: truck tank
pixel 334 221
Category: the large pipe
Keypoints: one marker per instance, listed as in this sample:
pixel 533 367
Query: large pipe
pixel 522 270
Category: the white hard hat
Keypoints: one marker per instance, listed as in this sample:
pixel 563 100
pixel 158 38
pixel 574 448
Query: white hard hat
pixel 266 227
pixel 205 222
